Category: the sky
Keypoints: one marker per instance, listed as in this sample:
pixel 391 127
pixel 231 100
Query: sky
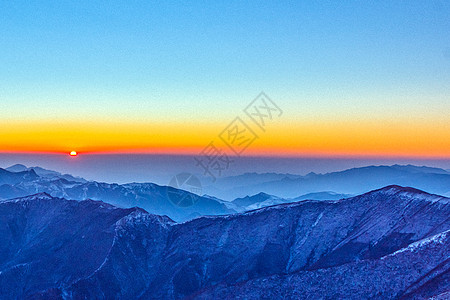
pixel 351 79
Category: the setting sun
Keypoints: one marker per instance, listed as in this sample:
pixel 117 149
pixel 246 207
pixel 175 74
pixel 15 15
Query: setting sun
pixel 73 153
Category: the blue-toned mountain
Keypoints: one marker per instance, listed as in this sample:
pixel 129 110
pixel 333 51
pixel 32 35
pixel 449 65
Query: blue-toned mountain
pixel 386 244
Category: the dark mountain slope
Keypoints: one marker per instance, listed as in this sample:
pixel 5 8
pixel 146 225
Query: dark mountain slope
pixel 385 278
pixel 385 244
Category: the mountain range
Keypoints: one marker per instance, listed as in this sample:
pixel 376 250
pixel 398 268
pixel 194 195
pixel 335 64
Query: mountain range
pixel 261 200
pixel 391 243
pixel 20 181
pixel 44 173
pixel 352 181
pixel 162 200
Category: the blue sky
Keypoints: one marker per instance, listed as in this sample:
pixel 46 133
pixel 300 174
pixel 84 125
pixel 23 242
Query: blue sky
pixel 353 78
pixel 58 58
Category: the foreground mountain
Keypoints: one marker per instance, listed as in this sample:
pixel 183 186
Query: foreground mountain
pixel 161 200
pixel 387 244
pixel 352 181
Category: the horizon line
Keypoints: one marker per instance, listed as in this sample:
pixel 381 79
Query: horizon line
pixel 250 154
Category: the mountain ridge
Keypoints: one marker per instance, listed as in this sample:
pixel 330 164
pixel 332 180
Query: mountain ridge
pixel 44 172
pixel 155 198
pixel 351 181
pixel 230 254
pixel 163 200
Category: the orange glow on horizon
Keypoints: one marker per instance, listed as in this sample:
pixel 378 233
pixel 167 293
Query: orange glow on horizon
pixel 314 139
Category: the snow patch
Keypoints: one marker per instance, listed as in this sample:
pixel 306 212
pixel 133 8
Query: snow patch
pixel 439 238
pixel 40 196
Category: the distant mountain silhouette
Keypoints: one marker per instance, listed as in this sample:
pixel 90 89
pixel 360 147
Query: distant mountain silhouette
pixel 45 173
pixel 322 196
pixel 12 178
pixel 351 181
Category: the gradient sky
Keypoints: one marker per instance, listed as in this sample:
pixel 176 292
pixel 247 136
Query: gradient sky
pixel 353 78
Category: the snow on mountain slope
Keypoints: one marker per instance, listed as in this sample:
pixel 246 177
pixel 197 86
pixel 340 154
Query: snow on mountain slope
pixel 257 201
pixel 149 196
pixel 397 276
pixel 261 200
pixel 385 244
pixel 12 178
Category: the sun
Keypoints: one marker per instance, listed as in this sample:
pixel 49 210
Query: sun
pixel 73 153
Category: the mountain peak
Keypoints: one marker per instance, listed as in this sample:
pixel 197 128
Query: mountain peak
pixel 396 190
pixel 261 194
pixel 17 168
pixel 32 172
pixel 41 172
